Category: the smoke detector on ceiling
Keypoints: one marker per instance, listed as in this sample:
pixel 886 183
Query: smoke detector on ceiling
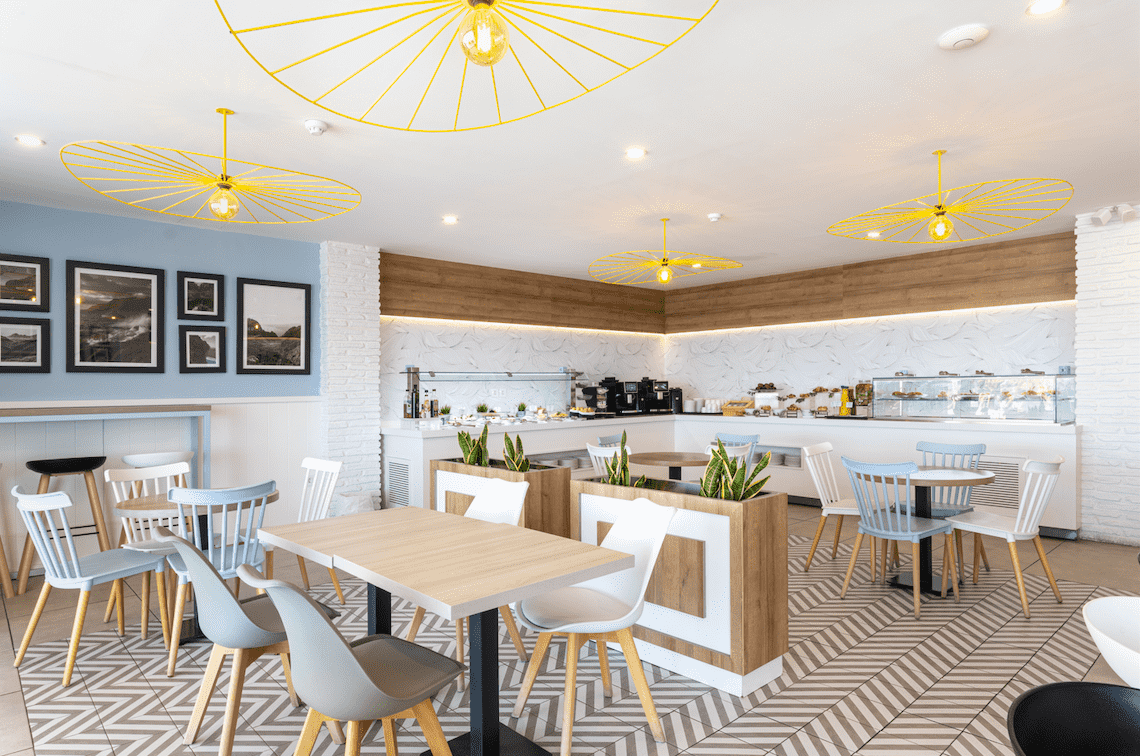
pixel 961 37
pixel 316 127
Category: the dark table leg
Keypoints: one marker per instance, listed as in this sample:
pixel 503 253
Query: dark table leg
pixel 926 577
pixel 191 631
pixel 379 611
pixel 674 473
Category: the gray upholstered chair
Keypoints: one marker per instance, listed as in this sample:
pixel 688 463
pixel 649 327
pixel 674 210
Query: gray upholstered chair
pixel 377 677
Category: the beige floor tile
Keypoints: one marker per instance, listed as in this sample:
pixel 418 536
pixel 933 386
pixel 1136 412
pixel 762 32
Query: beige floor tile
pixel 15 736
pixel 1105 564
pixel 1103 673
pixel 800 512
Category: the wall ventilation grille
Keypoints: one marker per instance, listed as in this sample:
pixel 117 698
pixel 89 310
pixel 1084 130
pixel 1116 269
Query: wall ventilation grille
pixel 396 484
pixel 1005 491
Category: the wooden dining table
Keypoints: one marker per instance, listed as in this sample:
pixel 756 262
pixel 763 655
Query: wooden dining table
pixel 455 567
pixel 673 460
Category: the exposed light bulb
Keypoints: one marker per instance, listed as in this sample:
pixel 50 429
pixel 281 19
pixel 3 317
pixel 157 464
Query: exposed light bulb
pixel 940 227
pixel 224 203
pixel 635 153
pixel 696 265
pixel 873 234
pixel 665 274
pixel 483 38
pixel 450 220
pixel 1043 7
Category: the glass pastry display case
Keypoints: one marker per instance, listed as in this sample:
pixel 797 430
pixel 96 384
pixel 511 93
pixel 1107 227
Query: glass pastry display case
pixel 1026 397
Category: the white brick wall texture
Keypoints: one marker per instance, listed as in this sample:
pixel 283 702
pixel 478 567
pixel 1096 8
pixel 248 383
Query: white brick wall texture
pixel 1108 378
pixel 350 364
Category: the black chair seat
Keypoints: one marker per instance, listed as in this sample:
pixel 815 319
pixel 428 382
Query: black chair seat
pixel 1076 719
pixel 65 466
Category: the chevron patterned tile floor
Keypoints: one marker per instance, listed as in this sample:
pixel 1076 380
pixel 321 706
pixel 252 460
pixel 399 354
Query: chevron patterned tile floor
pixel 862 676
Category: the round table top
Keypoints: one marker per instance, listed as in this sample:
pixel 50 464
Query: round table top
pixel 158 503
pixel 947 476
pixel 669 459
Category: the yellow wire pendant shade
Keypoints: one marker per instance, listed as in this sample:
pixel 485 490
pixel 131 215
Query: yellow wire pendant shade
pixel 422 65
pixel 182 183
pixel 645 266
pixel 967 213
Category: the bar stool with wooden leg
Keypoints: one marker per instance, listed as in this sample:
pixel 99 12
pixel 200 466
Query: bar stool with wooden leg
pixel 55 468
pixel 7 584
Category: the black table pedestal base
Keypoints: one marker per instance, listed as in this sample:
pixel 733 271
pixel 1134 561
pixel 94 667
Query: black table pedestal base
pixel 903 580
pixel 510 744
pixel 674 473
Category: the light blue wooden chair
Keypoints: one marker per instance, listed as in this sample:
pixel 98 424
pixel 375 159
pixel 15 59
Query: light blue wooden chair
pixel 611 440
pixel 948 501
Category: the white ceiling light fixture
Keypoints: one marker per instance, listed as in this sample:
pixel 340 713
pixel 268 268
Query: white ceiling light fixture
pixel 450 220
pixel 316 126
pixel 714 217
pixel 635 153
pixel 1039 8
pixel 962 37
pixel 29 140
pixel 1127 212
pixel 873 234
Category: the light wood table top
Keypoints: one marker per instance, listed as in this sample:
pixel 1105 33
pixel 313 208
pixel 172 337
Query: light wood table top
pixel 669 459
pixel 452 566
pixel 159 503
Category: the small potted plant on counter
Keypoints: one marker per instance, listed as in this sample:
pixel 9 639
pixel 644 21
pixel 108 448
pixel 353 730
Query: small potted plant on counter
pixel 445 413
pixel 481 408
pixel 522 410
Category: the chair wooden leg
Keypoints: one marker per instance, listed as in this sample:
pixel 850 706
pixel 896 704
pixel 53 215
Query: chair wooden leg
pixel 895 553
pixel 955 572
pixel 1020 579
pixel 1045 564
pixel 429 724
pixel 6 575
pixel 513 631
pixel 637 672
pixel 883 562
pixel 417 618
pixel 163 610
pixel 112 602
pixel 97 510
pixel 977 552
pixel 241 659
pixel 304 572
pixel 851 567
pixel 604 663
pixel 121 609
pixel 336 585
pixel 287 669
pixel 309 733
pixel 914 566
pixel 144 620
pixel 985 559
pixel 336 732
pixel 460 643
pixel 961 557
pixel 209 680
pixel 390 747
pixel 25 568
pixel 76 631
pixel 947 549
pixel 268 564
pixel 237 589
pixel 352 739
pixel 176 627
pixel 573 645
pixel 41 602
pixel 532 669
pixel 815 541
pixel 871 555
pixel 838 532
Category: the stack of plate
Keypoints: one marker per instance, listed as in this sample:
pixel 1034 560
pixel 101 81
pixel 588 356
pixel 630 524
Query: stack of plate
pixel 791 460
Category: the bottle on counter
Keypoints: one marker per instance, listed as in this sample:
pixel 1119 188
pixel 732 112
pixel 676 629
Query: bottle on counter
pixel 407 403
pixel 415 402
pixel 434 404
pixel 846 402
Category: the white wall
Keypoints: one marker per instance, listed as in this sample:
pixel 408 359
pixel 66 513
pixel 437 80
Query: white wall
pixel 1108 361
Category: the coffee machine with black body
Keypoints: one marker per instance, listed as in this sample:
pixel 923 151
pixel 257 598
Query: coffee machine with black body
pixel 603 397
pixel 632 399
pixel 658 396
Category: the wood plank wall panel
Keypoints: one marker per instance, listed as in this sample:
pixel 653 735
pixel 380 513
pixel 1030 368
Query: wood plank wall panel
pixel 418 287
pixel 1041 269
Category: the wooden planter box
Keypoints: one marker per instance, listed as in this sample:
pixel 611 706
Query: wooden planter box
pixel 547 506
pixel 717 605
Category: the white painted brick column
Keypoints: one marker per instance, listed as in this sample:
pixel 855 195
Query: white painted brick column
pixel 350 363
pixel 1108 369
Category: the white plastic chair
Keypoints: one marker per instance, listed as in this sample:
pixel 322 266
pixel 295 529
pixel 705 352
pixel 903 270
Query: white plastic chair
pixel 887 512
pixel 498 501
pixel 741 451
pixel 225 525
pixel 316 496
pixel 599 455
pixel 46 520
pixel 603 609
pixel 1040 479
pixel 818 459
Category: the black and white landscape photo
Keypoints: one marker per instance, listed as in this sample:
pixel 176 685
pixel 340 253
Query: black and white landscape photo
pixel 201 296
pixel 115 318
pixel 25 345
pixel 202 349
pixel 24 283
pixel 273 318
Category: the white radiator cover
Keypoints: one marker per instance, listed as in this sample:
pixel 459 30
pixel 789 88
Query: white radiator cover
pixel 1009 482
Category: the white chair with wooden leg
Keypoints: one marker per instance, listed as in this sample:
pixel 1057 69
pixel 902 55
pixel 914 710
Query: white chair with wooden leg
pixel 1040 479
pixel 600 455
pixel 377 677
pixel 883 495
pixel 45 517
pixel 498 501
pixel 603 610
pixel 316 496
pixel 225 524
pixel 818 460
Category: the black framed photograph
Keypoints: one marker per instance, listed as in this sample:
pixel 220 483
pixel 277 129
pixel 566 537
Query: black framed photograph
pixel 201 349
pixel 274 323
pixel 25 345
pixel 115 318
pixel 25 283
pixel 201 296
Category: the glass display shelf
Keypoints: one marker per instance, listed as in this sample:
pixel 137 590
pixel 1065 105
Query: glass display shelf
pixel 1001 398
pixel 499 375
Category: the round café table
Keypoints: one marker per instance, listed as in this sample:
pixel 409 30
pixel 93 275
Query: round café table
pixel 673 460
pixel 926 478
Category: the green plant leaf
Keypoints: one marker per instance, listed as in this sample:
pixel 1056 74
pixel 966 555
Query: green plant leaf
pixel 755 489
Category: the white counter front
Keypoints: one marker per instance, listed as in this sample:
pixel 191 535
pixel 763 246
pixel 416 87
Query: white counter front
pixel 408 450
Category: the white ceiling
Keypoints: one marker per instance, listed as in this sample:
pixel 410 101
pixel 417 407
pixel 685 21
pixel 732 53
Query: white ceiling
pixel 784 116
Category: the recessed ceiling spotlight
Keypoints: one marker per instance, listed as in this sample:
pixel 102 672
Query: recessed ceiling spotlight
pixel 635 153
pixel 450 220
pixel 1043 7
pixel 30 141
pixel 714 217
pixel 873 234
pixel 961 37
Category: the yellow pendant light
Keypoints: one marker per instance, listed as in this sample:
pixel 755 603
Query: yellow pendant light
pixel 174 182
pixel 645 266
pixel 967 213
pixel 483 38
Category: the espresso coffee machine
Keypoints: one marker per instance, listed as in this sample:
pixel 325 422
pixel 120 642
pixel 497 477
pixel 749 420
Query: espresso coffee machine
pixel 602 398
pixel 676 401
pixel 658 397
pixel 631 398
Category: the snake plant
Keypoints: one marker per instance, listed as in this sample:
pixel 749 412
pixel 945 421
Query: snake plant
pixel 728 477
pixel 617 468
pixel 475 452
pixel 514 456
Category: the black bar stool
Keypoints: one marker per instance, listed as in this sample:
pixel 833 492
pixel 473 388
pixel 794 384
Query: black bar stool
pixel 54 468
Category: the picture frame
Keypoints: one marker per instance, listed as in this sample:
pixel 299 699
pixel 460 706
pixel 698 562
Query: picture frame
pixel 274 327
pixel 116 318
pixel 201 349
pixel 25 345
pixel 201 296
pixel 25 283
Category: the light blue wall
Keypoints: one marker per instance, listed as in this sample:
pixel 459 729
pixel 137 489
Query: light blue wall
pixel 62 235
